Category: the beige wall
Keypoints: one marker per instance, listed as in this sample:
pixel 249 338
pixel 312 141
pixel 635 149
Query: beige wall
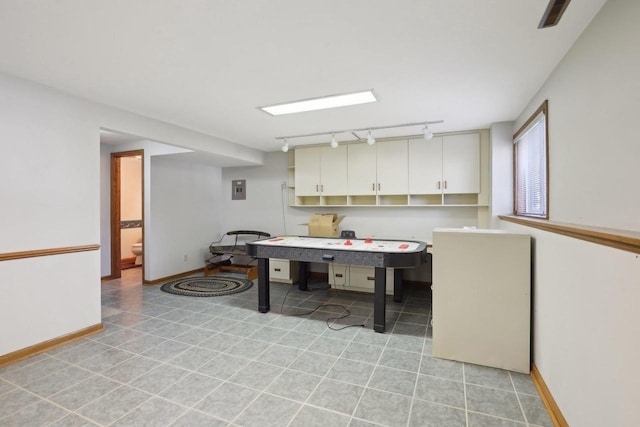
pixel 130 202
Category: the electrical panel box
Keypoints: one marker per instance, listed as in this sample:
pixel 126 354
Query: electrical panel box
pixel 239 189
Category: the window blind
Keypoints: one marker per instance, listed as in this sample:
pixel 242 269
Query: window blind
pixel 531 169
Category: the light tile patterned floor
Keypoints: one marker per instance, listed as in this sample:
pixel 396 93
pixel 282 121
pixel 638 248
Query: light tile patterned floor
pixel 167 360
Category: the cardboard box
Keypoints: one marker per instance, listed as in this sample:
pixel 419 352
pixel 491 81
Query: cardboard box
pixel 324 225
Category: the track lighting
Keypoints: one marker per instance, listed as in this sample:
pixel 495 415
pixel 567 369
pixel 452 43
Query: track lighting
pixel 370 139
pixel 334 141
pixel 427 133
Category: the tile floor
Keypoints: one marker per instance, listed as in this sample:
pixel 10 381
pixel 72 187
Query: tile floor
pixel 167 360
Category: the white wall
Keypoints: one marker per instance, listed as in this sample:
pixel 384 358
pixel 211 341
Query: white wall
pixel 585 327
pixel 150 149
pixel 49 177
pixel 501 171
pixel 267 209
pixel 185 212
pixel 594 100
pixel 586 317
pixel 49 187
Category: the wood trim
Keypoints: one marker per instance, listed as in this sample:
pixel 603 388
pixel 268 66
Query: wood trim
pixel 175 276
pixel 549 402
pixel 115 215
pixel 620 239
pixel 30 351
pixel 116 265
pixel 46 252
pixel 127 263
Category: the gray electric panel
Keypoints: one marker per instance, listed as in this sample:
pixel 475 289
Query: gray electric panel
pixel 239 189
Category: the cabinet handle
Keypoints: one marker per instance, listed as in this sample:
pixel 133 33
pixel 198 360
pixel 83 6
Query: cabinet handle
pixel 378 186
pixel 316 188
pixel 322 188
pixel 276 269
pixel 445 185
pixel 373 187
pixel 339 275
pixel 438 185
pixel 371 277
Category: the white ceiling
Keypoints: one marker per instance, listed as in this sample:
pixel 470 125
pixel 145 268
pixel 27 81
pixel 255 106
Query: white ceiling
pixel 208 65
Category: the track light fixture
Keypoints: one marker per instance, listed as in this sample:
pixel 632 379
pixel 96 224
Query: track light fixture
pixel 370 139
pixel 334 141
pixel 427 133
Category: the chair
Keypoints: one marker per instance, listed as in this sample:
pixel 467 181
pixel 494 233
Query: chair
pixel 231 246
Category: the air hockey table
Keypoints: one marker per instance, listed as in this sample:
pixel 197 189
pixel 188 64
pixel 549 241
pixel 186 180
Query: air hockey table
pixel 381 254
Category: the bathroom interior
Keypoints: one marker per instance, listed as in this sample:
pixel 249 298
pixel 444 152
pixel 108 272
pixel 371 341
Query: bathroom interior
pixel 131 249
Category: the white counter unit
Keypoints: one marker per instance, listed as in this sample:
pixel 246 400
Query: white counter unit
pixel 482 297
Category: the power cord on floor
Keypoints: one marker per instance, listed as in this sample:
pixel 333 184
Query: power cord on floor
pixel 346 313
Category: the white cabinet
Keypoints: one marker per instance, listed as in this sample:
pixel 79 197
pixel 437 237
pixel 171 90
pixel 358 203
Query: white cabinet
pixel 377 170
pixel 482 297
pixel 448 165
pixel 320 172
pixel 444 171
pixel 391 167
pixel 425 166
pixel 283 270
pixel 361 172
pixel 307 173
pixel 461 163
pixel 357 278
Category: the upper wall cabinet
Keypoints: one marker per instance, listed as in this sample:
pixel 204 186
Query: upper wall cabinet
pixel 320 172
pixel 376 172
pixel 445 171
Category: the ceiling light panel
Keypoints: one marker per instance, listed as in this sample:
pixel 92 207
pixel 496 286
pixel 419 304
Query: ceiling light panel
pixel 333 101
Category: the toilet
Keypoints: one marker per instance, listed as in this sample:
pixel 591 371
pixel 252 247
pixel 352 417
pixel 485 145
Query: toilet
pixel 136 248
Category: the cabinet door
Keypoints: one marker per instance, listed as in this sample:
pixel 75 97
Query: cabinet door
pixel 307 173
pixel 425 166
pixel 361 174
pixel 461 163
pixel 333 171
pixel 392 171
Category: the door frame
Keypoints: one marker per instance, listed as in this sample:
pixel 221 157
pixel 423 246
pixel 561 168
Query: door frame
pixel 116 253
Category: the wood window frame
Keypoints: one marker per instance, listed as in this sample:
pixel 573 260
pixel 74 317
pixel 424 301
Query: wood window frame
pixel 544 108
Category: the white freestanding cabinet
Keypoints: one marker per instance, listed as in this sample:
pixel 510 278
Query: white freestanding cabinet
pixel 482 297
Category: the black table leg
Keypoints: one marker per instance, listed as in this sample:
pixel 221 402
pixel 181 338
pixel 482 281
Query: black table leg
pixel 397 285
pixel 303 272
pixel 263 285
pixel 379 299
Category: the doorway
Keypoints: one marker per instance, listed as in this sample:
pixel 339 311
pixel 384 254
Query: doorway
pixel 127 224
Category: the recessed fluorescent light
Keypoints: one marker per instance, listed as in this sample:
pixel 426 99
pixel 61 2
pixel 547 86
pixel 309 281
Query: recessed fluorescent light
pixel 332 101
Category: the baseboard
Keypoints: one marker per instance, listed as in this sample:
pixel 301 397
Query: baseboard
pixel 30 351
pixel 127 263
pixel 549 402
pixel 175 276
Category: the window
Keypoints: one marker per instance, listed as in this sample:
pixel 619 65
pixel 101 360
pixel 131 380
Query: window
pixel 531 168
